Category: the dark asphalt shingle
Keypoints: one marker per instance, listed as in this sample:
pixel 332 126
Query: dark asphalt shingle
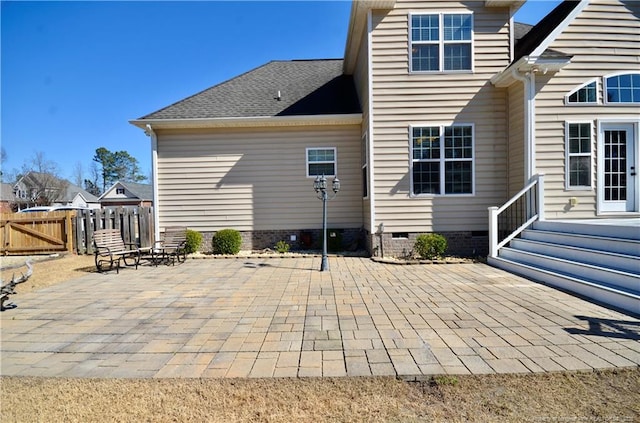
pixel 307 87
pixel 536 35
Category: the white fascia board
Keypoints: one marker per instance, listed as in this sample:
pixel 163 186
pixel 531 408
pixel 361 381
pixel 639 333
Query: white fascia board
pixel 542 64
pixel 506 78
pixel 248 122
pixel 528 64
pixel 558 30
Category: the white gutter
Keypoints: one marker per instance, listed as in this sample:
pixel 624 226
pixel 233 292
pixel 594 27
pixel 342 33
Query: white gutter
pixel 372 191
pixel 154 171
pixel 252 121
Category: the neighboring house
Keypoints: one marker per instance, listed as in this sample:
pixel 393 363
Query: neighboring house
pixel 35 189
pixel 127 194
pixel 436 113
pixel 7 198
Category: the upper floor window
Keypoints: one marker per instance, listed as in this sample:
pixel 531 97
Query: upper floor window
pixel 119 190
pixel 321 161
pixel 623 88
pixel 441 42
pixel 585 94
pixel 442 160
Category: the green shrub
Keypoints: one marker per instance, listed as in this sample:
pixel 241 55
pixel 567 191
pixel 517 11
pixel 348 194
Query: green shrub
pixel 226 241
pixel 282 247
pixel 194 239
pixel 430 246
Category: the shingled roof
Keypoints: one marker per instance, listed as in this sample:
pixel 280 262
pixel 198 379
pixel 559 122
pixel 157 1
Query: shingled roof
pixel 536 35
pixel 278 88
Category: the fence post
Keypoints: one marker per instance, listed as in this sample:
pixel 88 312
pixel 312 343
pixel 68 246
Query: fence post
pixel 493 232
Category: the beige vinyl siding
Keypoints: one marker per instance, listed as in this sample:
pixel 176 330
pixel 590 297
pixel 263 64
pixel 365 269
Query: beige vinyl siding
pixel 254 179
pixel 516 138
pixel 402 99
pixel 603 39
pixel 361 80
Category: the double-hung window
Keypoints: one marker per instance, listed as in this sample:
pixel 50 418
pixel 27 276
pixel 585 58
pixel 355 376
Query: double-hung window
pixel 441 42
pixel 321 161
pixel 442 160
pixel 578 155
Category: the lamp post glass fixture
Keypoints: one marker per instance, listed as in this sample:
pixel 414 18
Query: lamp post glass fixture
pixel 320 185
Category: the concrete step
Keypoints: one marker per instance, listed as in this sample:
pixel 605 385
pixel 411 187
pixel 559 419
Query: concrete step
pixel 618 279
pixel 628 301
pixel 596 257
pixel 592 228
pixel 630 247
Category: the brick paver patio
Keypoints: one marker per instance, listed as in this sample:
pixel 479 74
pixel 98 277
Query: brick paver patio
pixel 281 317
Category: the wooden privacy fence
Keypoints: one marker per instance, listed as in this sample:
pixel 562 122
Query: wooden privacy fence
pixel 135 224
pixel 23 233
pixel 72 231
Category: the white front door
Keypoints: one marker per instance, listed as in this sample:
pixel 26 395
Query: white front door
pixel 617 168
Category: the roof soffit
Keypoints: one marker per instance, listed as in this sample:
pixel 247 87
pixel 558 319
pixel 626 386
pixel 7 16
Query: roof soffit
pixel 357 24
pixel 516 4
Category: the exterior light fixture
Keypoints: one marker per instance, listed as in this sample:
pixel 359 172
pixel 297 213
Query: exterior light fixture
pixel 320 186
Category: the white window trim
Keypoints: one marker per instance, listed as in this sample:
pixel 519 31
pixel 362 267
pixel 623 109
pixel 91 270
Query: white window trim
pixel 443 160
pixel 441 42
pixel 590 103
pixel 604 89
pixel 335 160
pixel 567 155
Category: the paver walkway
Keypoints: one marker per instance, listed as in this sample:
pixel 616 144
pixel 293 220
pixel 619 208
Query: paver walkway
pixel 284 318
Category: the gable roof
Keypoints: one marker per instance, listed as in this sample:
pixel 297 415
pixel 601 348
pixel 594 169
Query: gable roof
pixel 306 87
pixel 543 29
pixel 141 191
pixel 532 50
pixel 520 30
pixel 72 191
pixel 67 193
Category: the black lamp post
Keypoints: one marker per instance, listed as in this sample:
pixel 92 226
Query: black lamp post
pixel 320 185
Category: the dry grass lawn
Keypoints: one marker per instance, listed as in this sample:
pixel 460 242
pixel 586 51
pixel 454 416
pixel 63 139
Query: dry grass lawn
pixel 602 396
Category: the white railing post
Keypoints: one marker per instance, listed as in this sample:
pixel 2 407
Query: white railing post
pixel 493 231
pixel 540 196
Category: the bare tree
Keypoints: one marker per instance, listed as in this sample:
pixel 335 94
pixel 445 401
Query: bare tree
pixel 78 174
pixel 3 158
pixel 92 184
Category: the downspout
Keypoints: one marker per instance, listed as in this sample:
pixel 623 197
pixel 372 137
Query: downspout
pixel 529 82
pixel 154 171
pixel 372 191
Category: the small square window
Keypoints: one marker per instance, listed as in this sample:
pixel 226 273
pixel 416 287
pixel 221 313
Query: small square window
pixel 321 161
pixel 119 190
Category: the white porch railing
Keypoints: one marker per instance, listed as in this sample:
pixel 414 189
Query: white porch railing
pixel 517 214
